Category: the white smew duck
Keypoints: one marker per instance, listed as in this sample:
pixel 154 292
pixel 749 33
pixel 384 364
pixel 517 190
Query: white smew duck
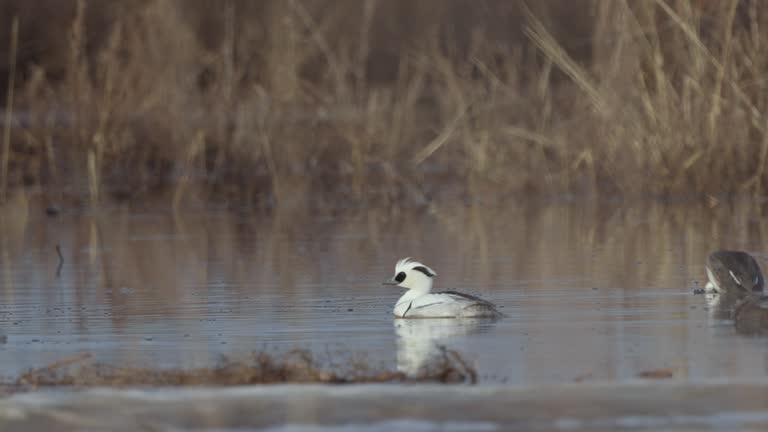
pixel 420 302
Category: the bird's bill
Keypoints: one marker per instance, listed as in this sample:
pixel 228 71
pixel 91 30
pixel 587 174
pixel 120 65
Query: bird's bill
pixel 390 282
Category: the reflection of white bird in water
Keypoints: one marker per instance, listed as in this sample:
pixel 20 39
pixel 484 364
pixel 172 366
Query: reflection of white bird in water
pixel 420 302
pixel 419 341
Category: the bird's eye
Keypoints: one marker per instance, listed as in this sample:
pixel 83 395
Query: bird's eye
pixel 400 277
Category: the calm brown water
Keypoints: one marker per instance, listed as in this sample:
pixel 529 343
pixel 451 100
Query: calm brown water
pixel 591 292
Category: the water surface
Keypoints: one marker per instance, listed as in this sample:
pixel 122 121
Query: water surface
pixel 590 291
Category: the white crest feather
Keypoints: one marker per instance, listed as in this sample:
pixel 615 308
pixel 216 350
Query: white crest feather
pixel 406 264
pixel 401 265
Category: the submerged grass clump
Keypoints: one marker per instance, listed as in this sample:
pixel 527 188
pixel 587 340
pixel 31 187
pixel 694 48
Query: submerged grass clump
pixel 298 366
pixel 283 102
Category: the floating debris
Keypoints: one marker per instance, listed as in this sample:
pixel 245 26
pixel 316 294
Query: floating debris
pixel 698 289
pixel 657 374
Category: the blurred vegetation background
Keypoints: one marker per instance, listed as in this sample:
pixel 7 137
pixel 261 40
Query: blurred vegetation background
pixel 382 102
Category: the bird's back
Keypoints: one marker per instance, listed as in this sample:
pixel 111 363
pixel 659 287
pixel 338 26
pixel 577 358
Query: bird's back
pixel 734 271
pixel 450 304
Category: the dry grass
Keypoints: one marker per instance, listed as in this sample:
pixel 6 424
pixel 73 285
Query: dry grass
pixel 300 366
pixel 284 102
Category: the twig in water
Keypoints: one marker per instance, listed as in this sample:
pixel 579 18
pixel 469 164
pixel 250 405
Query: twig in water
pixel 61 260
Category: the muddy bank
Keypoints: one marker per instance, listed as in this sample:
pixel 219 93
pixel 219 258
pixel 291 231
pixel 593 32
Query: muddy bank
pixel 638 405
pixel 296 367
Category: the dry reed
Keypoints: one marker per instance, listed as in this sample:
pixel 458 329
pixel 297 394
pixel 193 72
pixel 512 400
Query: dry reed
pixel 9 111
pixel 285 102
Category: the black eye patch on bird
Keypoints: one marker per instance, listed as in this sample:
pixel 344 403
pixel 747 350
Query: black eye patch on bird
pixel 424 270
pixel 400 277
